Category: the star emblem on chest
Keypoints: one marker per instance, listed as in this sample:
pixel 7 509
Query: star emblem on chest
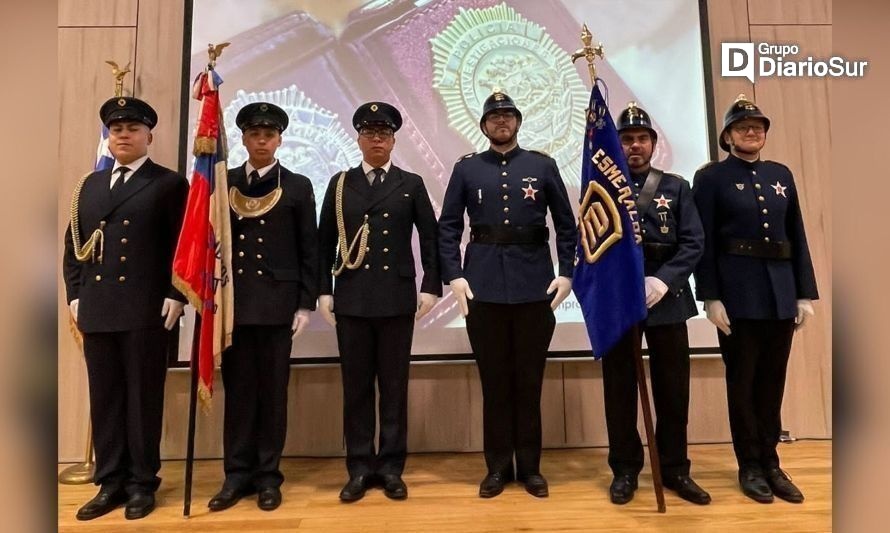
pixel 780 189
pixel 529 192
pixel 663 202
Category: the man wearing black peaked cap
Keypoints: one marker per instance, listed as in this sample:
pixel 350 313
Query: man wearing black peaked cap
pixel 119 247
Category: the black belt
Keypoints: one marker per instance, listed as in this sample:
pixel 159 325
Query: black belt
pixel 485 234
pixel 660 252
pixel 762 249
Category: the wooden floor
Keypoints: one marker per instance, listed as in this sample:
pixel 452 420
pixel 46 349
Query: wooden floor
pixel 443 497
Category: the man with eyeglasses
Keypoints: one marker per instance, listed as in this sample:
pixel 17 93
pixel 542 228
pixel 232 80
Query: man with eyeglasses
pixel 368 292
pixel 757 281
pixel 506 287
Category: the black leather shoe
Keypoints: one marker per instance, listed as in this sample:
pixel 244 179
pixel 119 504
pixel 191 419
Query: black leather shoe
pixel 103 503
pixel 393 487
pixel 754 485
pixel 536 485
pixel 493 484
pixel 687 489
pixel 622 488
pixel 269 498
pixel 355 488
pixel 226 498
pixel 139 505
pixel 782 486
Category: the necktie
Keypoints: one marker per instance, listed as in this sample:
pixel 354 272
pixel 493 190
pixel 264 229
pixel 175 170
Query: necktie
pixel 253 177
pixel 119 182
pixel 378 176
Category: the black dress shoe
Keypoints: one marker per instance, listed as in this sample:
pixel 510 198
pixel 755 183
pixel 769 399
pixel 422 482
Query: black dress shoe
pixel 139 505
pixel 754 485
pixel 269 498
pixel 103 503
pixel 687 489
pixel 622 488
pixel 226 497
pixel 782 486
pixel 493 484
pixel 355 488
pixel 536 485
pixel 393 486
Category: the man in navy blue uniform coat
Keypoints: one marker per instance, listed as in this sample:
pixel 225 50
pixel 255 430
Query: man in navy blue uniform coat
pixel 369 292
pixel 756 279
pixel 124 302
pixel 673 241
pixel 275 283
pixel 506 287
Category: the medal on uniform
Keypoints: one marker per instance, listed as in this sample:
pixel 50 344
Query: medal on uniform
pixel 529 190
pixel 253 207
pixel 662 215
pixel 663 202
pixel 740 186
pixel 780 189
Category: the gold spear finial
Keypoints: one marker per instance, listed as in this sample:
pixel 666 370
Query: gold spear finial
pixel 118 74
pixel 589 52
pixel 214 51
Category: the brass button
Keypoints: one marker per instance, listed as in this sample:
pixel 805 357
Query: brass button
pixel 259 256
pixel 636 184
pixel 102 223
pixel 123 259
pixel 757 186
pixel 122 279
pixel 385 267
pixel 241 271
pixel 504 173
pixel 386 232
pixel 259 272
pixel 644 230
pixel 506 197
pixel 124 240
pixel 385 215
pixel 367 267
pixel 240 254
pixel 98 277
pixel 766 239
pixel 506 210
pixel 240 217
pixel 241 236
pixel 259 239
pixel 760 198
pixel 766 225
pixel 126 222
pixel 504 162
pixel 262 222
pixel 754 172
pixel 504 185
pixel 765 211
pixel 386 250
pixel 507 222
pixel 367 249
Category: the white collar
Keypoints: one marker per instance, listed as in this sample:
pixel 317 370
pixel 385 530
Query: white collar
pixel 248 168
pixel 367 168
pixel 134 166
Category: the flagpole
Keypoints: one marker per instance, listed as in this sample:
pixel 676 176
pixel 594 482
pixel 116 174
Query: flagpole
pixel 193 404
pixel 590 53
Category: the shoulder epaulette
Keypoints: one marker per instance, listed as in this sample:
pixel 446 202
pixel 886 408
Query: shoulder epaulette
pixel 466 156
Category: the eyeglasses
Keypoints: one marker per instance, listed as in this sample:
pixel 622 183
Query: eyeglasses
pixel 758 129
pixel 383 134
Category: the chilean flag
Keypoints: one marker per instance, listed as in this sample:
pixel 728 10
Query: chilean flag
pixel 202 264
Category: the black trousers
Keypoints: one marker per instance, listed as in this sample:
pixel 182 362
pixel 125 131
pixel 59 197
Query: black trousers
pixel 126 372
pixel 756 359
pixel 255 372
pixel 669 374
pixel 510 343
pixel 375 350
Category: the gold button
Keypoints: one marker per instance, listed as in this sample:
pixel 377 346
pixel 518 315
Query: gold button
pixel 766 225
pixel 240 254
pixel 367 249
pixel 757 186
pixel 126 222
pixel 241 236
pixel 124 240
pixel 385 215
pixel 98 277
pixel 240 217
pixel 259 256
pixel 122 278
pixel 506 197
pixel 102 223
pixel 241 271
pixel 259 272
pixel 504 185
pixel 367 267
pixel 123 259
pixel 644 231
pixel 766 239
pixel 765 211
pixel 386 250
pixel 760 198
pixel 754 172
pixel 506 222
pixel 262 222
pixel 504 173
pixel 503 162
pixel 259 239
pixel 506 210
pixel 385 267
pixel 386 232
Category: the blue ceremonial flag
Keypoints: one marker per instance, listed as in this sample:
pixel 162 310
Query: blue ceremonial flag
pixel 104 159
pixel 608 279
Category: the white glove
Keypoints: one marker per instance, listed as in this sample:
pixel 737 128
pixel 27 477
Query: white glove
pixel 462 292
pixel 804 308
pixel 326 307
pixel 75 303
pixel 655 291
pixel 425 303
pixel 301 320
pixel 563 286
pixel 717 315
pixel 172 309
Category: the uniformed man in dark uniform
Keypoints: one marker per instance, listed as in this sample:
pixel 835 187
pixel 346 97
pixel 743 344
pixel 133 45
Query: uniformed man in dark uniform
pixel 368 282
pixel 673 240
pixel 506 287
pixel 275 276
pixel 125 223
pixel 756 279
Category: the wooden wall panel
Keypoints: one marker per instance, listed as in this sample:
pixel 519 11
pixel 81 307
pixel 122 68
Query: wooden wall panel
pixel 93 13
pixel 789 11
